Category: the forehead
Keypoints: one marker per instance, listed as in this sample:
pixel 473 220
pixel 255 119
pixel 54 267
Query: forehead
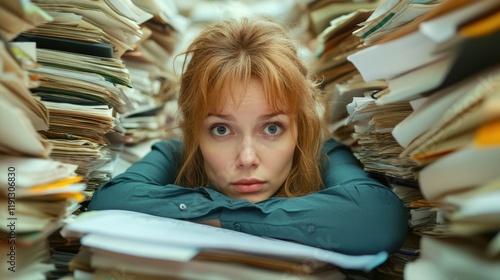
pixel 253 93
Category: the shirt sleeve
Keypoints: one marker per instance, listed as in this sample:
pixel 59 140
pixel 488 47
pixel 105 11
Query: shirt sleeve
pixel 354 214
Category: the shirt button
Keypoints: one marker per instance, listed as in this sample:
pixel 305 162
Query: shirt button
pixel 182 206
pixel 237 226
pixel 311 228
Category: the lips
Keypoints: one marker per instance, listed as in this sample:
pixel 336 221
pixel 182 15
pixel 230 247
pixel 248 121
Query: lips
pixel 248 185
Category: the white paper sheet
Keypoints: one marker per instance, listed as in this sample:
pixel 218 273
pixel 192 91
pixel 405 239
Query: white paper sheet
pixel 166 231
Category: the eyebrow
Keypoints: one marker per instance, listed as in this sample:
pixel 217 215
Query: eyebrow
pixel 231 117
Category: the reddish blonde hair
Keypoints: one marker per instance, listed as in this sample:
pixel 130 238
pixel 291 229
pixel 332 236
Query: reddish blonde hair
pixel 232 52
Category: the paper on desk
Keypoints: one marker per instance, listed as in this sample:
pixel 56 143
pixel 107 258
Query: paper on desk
pixel 139 248
pixel 158 230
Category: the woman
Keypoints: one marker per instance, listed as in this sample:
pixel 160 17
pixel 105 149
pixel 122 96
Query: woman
pixel 253 156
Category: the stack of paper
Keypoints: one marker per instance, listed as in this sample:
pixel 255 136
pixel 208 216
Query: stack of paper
pixel 114 18
pixel 185 250
pixel 90 68
pixel 151 67
pixel 430 51
pixel 390 15
pixel 79 72
pixel 165 24
pixel 356 120
pixel 155 91
pixel 439 57
pixel 36 193
pixel 82 57
pixel 375 147
pixel 37 196
pixel 422 214
pixel 442 61
pixel 339 77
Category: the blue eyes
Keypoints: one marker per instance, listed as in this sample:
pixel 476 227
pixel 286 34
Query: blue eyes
pixel 272 129
pixel 220 130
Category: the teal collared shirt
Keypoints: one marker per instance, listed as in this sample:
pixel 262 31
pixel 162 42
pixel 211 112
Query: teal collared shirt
pixel 353 214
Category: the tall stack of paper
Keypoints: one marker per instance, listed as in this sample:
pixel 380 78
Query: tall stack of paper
pixel 80 70
pixel 379 152
pixel 338 76
pixel 460 154
pixel 440 58
pixel 444 63
pixel 432 51
pixel 356 120
pixel 376 148
pixel 151 67
pixel 195 251
pixel 346 38
pixel 152 112
pixel 36 193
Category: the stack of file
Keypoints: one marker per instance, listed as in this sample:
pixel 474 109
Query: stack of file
pixel 377 150
pixel 444 64
pixel 340 79
pixel 36 193
pixel 356 120
pixel 345 37
pixel 154 78
pixel 379 153
pixel 194 251
pixel 115 21
pixel 462 177
pixel 422 214
pixel 81 70
pixel 44 192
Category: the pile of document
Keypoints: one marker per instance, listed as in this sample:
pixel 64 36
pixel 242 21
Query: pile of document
pixel 438 58
pixel 144 246
pixel 102 71
pixel 37 193
pixel 154 75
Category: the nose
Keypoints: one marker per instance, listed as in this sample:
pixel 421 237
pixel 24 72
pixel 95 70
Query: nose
pixel 247 155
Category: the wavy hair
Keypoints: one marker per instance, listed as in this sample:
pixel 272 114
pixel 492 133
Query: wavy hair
pixel 231 52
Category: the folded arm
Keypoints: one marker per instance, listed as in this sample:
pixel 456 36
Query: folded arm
pixel 354 214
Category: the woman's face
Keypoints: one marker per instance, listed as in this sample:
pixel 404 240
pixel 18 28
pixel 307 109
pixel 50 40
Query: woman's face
pixel 247 148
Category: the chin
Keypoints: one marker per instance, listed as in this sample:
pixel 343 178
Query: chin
pixel 251 197
pixel 254 199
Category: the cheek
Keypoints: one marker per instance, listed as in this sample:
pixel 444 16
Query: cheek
pixel 281 159
pixel 213 162
pixel 216 164
pixel 208 152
